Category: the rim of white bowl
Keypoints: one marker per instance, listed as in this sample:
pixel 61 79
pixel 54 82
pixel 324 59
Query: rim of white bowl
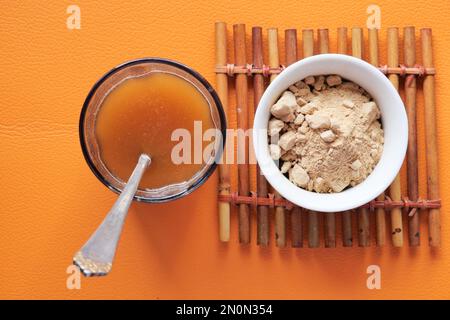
pixel 391 160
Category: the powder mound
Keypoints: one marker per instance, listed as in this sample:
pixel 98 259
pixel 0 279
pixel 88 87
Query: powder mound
pixel 326 133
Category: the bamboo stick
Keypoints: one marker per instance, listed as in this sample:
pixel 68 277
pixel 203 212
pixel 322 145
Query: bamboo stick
pixel 434 224
pixel 373 47
pixel 357 43
pixel 380 216
pixel 308 42
pixel 330 230
pixel 347 236
pixel 313 216
pixel 242 120
pixel 347 232
pixel 272 42
pixel 313 229
pixel 330 217
pixel 296 227
pixel 324 42
pixel 224 170
pixel 410 104
pixel 290 38
pixel 395 188
pixel 262 230
pixel 342 40
pixel 296 213
pixel 363 213
pixel 280 214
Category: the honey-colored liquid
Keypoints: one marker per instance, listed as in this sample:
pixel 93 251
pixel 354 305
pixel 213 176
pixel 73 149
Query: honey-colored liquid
pixel 138 116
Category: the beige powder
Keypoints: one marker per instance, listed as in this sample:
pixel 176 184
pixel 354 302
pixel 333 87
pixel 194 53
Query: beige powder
pixel 326 133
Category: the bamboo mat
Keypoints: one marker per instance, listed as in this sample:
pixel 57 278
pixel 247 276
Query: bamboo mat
pixel 397 209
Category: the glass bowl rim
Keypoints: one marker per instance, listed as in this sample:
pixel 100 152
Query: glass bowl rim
pixel 172 63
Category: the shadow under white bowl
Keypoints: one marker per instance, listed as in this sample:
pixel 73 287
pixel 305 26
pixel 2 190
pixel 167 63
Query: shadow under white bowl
pixel 393 118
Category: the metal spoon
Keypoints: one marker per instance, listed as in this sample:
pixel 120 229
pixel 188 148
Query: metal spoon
pixel 96 256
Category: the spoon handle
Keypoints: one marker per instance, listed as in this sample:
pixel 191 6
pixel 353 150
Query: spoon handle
pixel 96 256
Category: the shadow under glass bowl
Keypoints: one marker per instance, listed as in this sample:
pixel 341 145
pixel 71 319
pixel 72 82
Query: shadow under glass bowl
pixel 138 68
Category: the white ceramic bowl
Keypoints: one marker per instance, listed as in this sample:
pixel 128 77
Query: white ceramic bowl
pixel 393 118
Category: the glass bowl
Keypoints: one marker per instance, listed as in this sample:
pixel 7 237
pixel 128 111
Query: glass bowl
pixel 137 68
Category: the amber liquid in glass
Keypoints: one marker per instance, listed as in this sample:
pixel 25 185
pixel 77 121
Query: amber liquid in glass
pixel 139 115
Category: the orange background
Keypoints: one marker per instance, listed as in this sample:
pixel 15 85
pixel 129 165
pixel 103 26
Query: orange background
pixel 50 201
